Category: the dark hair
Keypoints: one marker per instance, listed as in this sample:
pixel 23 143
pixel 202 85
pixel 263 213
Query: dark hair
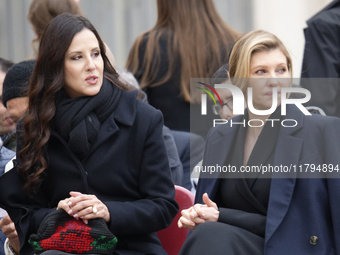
pixel 46 84
pixel 193 33
pixel 5 65
pixel 221 74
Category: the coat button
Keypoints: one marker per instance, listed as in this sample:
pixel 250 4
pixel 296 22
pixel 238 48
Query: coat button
pixel 313 240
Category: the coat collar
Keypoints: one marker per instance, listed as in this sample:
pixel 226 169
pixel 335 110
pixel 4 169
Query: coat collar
pixel 288 149
pixel 220 146
pixel 222 143
pixel 287 154
pixel 125 114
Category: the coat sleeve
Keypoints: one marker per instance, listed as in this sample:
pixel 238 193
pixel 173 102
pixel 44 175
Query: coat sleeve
pixel 25 211
pixel 321 54
pixel 157 207
pixel 321 59
pixel 176 167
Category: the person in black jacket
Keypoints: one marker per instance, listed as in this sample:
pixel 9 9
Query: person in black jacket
pixel 7 126
pixel 321 60
pixel 14 98
pixel 189 40
pixel 88 146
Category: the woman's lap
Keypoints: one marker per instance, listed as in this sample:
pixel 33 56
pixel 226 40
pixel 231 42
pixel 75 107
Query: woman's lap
pixel 220 238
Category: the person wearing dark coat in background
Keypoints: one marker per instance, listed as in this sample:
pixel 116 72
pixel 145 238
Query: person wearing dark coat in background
pixel 321 59
pixel 87 142
pixel 189 40
pixel 14 98
pixel 7 126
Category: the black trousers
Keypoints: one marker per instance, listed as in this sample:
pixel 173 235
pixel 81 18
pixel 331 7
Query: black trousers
pixel 219 238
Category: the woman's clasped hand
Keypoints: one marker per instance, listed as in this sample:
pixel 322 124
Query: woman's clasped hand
pixel 199 213
pixel 84 207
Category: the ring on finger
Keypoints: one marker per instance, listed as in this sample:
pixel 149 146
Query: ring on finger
pixel 94 209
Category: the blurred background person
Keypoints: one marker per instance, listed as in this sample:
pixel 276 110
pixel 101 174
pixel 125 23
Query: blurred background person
pixel 321 53
pixel 15 98
pixel 7 126
pixel 15 89
pixel 189 40
pixel 321 59
pixel 221 76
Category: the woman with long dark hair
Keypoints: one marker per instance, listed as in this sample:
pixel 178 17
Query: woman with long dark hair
pixel 88 146
pixel 189 40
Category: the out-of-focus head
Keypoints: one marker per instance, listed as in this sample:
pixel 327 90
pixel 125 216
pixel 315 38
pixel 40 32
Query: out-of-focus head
pixel 243 50
pixel 221 76
pixel 6 123
pixel 17 80
pixel 15 87
pixel 41 12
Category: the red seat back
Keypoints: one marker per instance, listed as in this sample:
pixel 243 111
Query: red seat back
pixel 172 238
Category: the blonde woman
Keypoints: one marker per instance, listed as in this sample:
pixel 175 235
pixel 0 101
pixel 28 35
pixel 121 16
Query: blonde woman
pixel 283 212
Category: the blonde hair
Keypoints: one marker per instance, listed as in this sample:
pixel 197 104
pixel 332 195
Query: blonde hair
pixel 194 34
pixel 243 50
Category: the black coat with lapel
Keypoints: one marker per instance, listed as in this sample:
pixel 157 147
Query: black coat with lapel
pixel 301 207
pixel 127 169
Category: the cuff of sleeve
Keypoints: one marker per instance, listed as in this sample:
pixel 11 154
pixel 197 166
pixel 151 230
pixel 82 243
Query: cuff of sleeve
pixel 8 249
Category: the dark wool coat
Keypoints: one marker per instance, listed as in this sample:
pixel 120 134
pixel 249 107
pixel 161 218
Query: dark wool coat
pixel 127 169
pixel 321 59
pixel 178 114
pixel 303 210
